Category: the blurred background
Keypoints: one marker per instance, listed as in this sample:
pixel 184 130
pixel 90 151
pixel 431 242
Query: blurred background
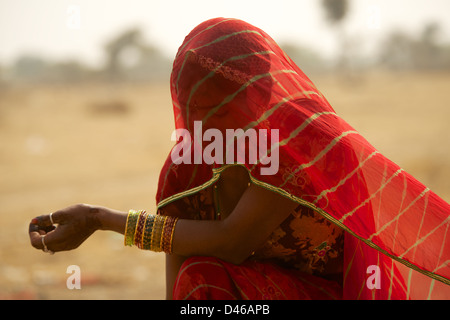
pixel 86 115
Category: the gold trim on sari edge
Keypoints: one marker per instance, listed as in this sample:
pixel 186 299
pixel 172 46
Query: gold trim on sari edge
pixel 216 175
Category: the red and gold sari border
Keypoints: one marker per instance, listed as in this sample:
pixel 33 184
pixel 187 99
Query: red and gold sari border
pixel 216 176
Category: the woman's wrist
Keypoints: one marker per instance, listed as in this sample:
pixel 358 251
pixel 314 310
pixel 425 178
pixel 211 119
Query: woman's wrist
pixel 102 218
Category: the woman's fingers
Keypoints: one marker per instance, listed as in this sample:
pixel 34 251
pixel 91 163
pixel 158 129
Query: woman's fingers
pixel 73 227
pixel 35 236
pixel 47 220
pixel 42 226
pixel 52 241
pixel 56 239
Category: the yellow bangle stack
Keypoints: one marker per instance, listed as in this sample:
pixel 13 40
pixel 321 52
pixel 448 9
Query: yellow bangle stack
pixel 149 232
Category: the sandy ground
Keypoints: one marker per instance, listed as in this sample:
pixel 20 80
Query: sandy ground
pixel 105 145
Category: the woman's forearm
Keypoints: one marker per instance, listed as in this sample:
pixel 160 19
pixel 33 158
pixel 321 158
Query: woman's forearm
pixel 204 238
pixel 191 237
pixel 232 239
pixel 111 219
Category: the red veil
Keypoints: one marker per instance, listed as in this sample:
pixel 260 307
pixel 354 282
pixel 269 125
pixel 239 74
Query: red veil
pixel 230 74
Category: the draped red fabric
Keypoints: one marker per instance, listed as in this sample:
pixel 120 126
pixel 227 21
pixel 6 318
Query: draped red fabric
pixel 229 74
pixel 208 278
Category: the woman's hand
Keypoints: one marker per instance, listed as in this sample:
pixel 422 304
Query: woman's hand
pixel 74 225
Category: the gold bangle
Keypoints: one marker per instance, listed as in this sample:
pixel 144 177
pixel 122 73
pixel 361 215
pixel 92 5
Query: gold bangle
pixel 140 228
pixel 156 233
pixel 130 227
pixel 148 230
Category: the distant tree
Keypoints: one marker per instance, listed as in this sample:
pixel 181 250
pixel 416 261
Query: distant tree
pixel 29 67
pixel 32 68
pixel 426 51
pixel 396 51
pixel 306 58
pixel 116 47
pixel 68 71
pixel 400 51
pixel 151 65
pixel 335 12
pixel 129 57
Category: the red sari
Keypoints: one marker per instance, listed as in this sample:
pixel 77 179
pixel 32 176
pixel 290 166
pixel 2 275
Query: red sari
pixel 229 74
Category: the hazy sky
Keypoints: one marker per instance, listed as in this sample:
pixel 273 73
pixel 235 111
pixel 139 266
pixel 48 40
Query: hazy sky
pixel 78 29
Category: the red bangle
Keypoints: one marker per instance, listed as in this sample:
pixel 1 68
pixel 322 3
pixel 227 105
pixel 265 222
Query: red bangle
pixel 140 228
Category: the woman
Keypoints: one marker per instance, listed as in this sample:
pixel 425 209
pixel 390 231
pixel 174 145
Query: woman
pixel 268 193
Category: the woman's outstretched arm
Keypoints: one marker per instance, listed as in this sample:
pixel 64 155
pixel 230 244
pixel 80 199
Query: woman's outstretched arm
pixel 257 214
